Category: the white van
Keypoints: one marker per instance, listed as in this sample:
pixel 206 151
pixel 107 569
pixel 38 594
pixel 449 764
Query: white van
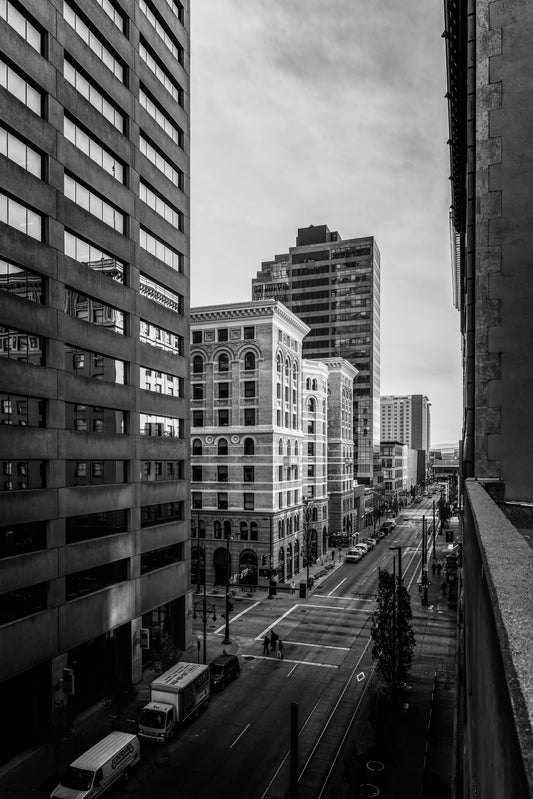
pixel 99 767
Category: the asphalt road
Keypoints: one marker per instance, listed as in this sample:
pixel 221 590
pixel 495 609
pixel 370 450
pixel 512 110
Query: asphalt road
pixel 239 745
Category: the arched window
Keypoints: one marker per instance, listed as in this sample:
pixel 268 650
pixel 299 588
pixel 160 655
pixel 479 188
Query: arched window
pixel 314 385
pixel 308 384
pixel 253 531
pixel 249 361
pixel 244 531
pixel 311 405
pixel 278 364
pixel 249 446
pixel 314 514
pixel 222 446
pixel 197 364
pixel 196 447
pixel 280 529
pixel 287 368
pixel 280 447
pixel 217 529
pixel 294 372
pixel 227 529
pixel 296 448
pixel 202 528
pixel 289 526
pixel 288 447
pixel 223 362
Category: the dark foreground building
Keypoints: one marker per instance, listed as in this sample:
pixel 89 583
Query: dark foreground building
pixel 94 296
pixel 490 91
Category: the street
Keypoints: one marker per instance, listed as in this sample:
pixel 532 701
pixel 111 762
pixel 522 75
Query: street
pixel 240 743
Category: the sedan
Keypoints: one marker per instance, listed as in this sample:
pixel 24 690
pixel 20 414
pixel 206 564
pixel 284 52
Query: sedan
pixel 353 556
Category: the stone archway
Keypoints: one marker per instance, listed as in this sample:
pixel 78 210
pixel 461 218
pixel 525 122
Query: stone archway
pixel 221 566
pixel 248 572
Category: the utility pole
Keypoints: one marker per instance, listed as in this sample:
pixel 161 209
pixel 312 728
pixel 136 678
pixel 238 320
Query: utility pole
pixel 228 562
pixel 434 552
pixel 424 564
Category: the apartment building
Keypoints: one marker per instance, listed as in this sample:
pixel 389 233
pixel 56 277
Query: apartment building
pixel 334 286
pixel 94 295
pixel 407 419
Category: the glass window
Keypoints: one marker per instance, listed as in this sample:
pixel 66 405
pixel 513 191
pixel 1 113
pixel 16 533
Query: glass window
pixel 93 41
pixel 164 252
pixel 160 117
pixel 88 364
pixel 100 155
pixel 249 361
pixel 160 338
pixel 21 24
pixel 162 31
pixel 91 93
pixel 94 311
pixel 19 152
pixel 21 282
pixel 21 346
pixel 20 217
pixel 249 446
pixel 161 294
pixel 87 199
pixel 156 66
pixel 92 256
pixel 222 446
pixel 161 162
pixel 114 14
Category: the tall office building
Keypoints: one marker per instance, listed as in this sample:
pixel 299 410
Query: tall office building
pixel 407 419
pixel 94 296
pixel 334 286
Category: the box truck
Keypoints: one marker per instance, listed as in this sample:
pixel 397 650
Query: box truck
pixel 99 767
pixel 174 696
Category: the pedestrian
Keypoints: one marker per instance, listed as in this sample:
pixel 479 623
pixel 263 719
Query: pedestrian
pixel 293 586
pixel 265 645
pixel 273 639
pixel 280 649
pixel 443 587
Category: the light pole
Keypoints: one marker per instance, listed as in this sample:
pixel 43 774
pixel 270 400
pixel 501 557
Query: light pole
pixel 205 608
pixel 226 632
pixel 398 549
pixel 434 551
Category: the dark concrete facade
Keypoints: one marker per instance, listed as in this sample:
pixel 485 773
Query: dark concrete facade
pixel 93 548
pixel 490 93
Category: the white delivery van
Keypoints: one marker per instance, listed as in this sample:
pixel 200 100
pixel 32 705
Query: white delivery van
pixel 175 695
pixel 99 767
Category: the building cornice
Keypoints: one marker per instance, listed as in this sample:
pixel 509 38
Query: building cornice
pixel 246 311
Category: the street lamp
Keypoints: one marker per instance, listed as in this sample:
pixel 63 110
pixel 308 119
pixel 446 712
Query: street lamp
pixel 226 633
pixel 205 608
pixel 398 549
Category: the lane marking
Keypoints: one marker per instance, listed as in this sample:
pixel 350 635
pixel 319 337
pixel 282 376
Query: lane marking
pixel 239 736
pixel 317 646
pixel 337 586
pixel 298 662
pixel 234 618
pixel 340 598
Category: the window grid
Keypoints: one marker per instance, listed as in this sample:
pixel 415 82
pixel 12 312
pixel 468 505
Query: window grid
pixel 114 14
pixel 94 204
pixel 162 251
pixel 175 49
pixel 94 311
pixel 160 206
pixel 91 256
pixel 20 153
pixel 20 88
pixel 94 97
pixel 85 363
pixel 21 281
pixel 20 217
pixel 21 24
pixel 161 294
pixel 164 383
pixel 160 338
pixel 161 119
pixel 153 65
pixel 104 158
pixel 161 163
pixel 93 41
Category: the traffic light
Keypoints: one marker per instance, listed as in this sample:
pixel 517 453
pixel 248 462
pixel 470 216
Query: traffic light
pixel 230 606
pixel 69 682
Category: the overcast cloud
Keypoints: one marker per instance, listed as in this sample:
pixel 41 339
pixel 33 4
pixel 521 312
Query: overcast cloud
pixel 330 112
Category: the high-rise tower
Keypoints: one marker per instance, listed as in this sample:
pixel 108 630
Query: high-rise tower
pixel 333 285
pixel 94 297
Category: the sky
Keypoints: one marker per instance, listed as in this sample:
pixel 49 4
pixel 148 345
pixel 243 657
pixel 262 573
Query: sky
pixel 310 112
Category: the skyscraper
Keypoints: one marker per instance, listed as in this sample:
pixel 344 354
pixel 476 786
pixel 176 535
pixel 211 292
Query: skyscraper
pixel 94 288
pixel 334 286
pixel 407 419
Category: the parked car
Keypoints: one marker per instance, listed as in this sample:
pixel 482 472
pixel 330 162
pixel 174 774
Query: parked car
pixel 371 542
pixel 363 547
pixel 353 555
